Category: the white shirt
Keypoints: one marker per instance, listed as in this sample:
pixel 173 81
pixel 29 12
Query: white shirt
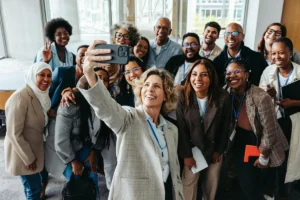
pixel 180 75
pixel 158 135
pixel 202 106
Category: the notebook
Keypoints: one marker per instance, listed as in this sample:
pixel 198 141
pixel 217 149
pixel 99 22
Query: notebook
pixel 291 91
pixel 200 160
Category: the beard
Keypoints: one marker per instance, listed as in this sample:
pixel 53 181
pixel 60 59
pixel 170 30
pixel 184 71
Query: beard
pixel 192 59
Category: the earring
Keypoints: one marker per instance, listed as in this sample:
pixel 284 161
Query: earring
pixel 128 88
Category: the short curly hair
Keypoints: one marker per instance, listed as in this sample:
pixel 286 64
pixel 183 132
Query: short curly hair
pixel 132 31
pixel 168 85
pixel 55 23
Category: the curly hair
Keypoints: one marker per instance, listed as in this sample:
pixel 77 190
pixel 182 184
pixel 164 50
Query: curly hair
pixel 168 86
pixel 132 31
pixel 55 23
pixel 261 44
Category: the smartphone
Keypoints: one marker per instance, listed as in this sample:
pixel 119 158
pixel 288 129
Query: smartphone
pixel 119 53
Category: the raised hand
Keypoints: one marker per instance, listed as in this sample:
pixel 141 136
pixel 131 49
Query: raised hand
pixel 92 58
pixel 47 53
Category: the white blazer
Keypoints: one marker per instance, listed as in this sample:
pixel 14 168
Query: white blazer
pixel 138 175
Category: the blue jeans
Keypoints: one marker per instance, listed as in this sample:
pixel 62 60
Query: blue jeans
pixel 32 186
pixel 81 155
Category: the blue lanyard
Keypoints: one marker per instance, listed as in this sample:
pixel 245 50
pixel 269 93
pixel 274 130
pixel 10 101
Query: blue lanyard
pixel 237 113
pixel 286 82
pixel 92 123
pixel 153 132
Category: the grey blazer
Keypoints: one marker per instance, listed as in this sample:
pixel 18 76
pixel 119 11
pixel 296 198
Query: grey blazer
pixel 138 174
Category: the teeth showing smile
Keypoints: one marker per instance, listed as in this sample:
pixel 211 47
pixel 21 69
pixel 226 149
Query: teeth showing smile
pixel 233 81
pixel 150 97
pixel 198 84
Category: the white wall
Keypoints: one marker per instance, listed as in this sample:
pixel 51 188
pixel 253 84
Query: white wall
pixel 261 13
pixel 23 27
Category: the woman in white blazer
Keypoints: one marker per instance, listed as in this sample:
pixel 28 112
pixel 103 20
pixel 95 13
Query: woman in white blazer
pixel 274 77
pixel 26 112
pixel 148 166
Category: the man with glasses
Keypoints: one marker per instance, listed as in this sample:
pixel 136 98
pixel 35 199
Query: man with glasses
pixel 162 48
pixel 235 48
pixel 209 48
pixel 180 65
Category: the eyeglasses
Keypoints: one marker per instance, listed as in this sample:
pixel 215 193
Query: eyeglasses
pixel 120 36
pixel 134 70
pixel 235 72
pixel 271 31
pixel 164 28
pixel 192 44
pixel 233 33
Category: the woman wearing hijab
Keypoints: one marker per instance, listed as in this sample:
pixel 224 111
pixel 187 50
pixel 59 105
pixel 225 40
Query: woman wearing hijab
pixel 26 112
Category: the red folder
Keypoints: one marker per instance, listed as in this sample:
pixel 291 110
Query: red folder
pixel 250 150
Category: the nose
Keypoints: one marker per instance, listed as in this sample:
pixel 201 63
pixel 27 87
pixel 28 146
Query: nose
pixel 132 74
pixel 199 77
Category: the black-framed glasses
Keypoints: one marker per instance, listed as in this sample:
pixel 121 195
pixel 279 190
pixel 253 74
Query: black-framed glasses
pixel 164 28
pixel 192 44
pixel 235 72
pixel 271 31
pixel 233 33
pixel 120 36
pixel 134 70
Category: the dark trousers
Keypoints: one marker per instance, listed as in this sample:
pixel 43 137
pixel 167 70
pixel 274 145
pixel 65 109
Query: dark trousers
pixel 169 188
pixel 248 176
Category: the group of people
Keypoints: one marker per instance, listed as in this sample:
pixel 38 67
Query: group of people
pixel 137 123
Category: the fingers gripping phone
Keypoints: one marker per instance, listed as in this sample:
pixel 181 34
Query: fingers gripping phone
pixel 119 53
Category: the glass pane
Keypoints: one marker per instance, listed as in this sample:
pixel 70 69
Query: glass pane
pixel 148 11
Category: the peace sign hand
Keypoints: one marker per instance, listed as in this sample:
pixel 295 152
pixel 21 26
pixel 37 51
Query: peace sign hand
pixel 47 53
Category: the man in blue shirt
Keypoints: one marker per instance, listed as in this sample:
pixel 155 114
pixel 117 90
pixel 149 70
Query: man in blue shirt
pixel 162 48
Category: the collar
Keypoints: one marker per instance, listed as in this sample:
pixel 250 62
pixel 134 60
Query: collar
pixel 237 56
pixel 155 44
pixel 162 122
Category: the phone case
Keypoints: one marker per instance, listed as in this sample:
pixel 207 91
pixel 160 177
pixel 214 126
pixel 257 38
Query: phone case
pixel 119 53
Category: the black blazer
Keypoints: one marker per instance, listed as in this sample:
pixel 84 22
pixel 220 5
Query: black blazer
pixel 213 136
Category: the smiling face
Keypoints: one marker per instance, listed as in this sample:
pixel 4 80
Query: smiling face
pixel 190 51
pixel 236 77
pixel 61 36
pixel 80 57
pixel 141 49
pixel 234 42
pixel 44 79
pixel 200 80
pixel 152 92
pixel 281 55
pixel 120 38
pixel 272 34
pixel 162 30
pixel 132 71
pixel 210 35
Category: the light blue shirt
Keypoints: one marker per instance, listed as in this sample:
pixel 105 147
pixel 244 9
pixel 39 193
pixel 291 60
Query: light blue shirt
pixel 158 135
pixel 166 52
pixel 55 62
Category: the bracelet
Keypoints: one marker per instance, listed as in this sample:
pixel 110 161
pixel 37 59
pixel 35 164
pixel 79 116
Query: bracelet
pixel 262 160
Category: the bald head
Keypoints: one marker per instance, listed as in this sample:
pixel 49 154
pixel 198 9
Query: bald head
pixel 162 30
pixel 234 36
pixel 235 26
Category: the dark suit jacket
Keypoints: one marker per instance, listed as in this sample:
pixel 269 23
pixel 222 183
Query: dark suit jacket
pixel 213 138
pixel 255 60
pixel 62 78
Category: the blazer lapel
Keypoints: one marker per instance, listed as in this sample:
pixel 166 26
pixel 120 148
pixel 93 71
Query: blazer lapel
pixel 250 109
pixel 143 117
pixel 170 142
pixel 37 107
pixel 209 115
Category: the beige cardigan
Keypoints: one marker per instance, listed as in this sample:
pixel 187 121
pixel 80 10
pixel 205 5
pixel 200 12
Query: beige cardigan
pixel 23 142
